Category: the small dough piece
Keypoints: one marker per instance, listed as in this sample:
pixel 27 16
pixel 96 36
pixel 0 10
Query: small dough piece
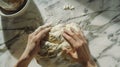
pixel 68 7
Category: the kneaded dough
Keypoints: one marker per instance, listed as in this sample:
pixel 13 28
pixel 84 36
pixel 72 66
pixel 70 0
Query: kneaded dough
pixel 51 52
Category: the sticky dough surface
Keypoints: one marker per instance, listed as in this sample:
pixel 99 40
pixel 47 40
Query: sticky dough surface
pixel 55 42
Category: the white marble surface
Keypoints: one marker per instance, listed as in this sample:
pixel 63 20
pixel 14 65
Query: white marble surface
pixel 99 19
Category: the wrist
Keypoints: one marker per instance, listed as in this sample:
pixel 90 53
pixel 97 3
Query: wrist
pixel 90 63
pixel 24 60
pixel 27 54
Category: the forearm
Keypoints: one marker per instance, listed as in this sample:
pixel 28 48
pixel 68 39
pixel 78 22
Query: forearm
pixel 87 60
pixel 24 60
pixel 33 45
pixel 90 63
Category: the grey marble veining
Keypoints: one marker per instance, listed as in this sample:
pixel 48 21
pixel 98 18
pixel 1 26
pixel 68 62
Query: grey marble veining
pixel 99 20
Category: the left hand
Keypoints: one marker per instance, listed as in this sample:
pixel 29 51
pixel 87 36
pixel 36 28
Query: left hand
pixel 33 45
pixel 35 39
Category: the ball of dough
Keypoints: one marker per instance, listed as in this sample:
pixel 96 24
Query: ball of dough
pixel 52 49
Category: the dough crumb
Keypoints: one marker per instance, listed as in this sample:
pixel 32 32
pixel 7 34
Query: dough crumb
pixel 68 7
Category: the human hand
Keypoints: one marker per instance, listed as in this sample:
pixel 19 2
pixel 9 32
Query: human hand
pixel 33 45
pixel 80 51
pixel 35 39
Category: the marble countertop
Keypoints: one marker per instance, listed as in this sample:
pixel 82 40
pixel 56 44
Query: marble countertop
pixel 99 19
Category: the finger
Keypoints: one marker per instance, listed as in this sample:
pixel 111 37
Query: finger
pixel 70 52
pixel 69 39
pixel 80 34
pixel 64 50
pixel 72 34
pixel 41 28
pixel 73 55
pixel 75 34
pixel 42 33
pixel 85 46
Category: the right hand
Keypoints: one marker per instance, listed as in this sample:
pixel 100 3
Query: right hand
pixel 80 51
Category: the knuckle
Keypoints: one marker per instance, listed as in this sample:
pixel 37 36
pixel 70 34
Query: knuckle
pixel 72 34
pixel 69 38
pixel 41 28
pixel 77 34
pixel 82 42
pixel 34 39
pixel 79 44
pixel 30 35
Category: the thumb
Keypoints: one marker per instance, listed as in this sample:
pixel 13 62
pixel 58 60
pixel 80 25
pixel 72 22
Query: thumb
pixel 66 50
pixel 73 54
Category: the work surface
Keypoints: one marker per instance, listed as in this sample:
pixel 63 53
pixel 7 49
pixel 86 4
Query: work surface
pixel 99 19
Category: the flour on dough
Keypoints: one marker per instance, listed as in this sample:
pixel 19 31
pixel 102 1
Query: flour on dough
pixel 52 49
